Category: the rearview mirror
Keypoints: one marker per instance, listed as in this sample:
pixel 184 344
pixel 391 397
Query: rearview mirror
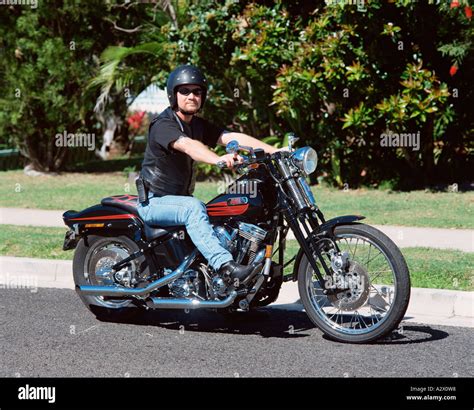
pixel 232 147
pixel 292 138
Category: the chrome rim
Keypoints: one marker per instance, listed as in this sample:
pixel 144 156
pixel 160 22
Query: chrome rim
pixel 99 271
pixel 372 282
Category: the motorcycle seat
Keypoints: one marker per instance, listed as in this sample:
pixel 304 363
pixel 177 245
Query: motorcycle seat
pixel 129 203
pixel 126 202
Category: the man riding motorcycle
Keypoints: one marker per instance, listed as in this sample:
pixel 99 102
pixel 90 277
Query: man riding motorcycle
pixel 353 281
pixel 176 139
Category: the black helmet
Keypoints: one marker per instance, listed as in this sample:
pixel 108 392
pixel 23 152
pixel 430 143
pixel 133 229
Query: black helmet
pixel 185 74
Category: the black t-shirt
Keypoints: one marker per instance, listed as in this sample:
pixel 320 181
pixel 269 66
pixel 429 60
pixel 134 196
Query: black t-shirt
pixel 169 171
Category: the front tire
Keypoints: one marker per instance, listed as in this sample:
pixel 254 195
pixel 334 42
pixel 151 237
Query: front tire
pixel 376 303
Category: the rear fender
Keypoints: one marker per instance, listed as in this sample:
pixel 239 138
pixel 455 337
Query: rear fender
pixel 100 220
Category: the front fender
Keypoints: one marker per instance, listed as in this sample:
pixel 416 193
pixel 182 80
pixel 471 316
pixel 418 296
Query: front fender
pixel 340 220
pixel 327 226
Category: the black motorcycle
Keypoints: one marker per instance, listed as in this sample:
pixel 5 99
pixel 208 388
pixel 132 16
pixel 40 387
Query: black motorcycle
pixel 352 279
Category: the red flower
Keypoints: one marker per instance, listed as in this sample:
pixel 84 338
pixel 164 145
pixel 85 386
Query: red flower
pixel 468 12
pixel 454 3
pixel 135 120
pixel 453 70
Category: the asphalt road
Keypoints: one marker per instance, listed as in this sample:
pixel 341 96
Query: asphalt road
pixel 50 333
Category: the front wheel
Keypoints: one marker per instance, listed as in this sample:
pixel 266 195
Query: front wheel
pixel 376 285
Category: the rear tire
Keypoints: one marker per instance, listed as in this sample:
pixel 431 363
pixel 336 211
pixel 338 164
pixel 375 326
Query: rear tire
pixel 106 309
pixel 401 287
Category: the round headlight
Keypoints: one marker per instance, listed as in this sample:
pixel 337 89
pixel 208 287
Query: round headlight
pixel 306 159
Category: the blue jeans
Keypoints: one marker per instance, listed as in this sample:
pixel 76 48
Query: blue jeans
pixel 173 210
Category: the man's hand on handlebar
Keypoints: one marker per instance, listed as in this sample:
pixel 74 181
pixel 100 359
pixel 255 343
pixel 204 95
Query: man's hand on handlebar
pixel 229 160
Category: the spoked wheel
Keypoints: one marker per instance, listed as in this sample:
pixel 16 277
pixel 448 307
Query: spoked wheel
pixel 92 266
pixel 373 289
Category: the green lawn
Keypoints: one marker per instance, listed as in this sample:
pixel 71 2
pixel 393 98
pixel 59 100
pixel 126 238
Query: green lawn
pixel 33 242
pixel 80 190
pixel 67 191
pixel 429 268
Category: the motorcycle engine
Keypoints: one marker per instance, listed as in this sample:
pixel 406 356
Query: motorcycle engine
pixel 186 286
pixel 243 242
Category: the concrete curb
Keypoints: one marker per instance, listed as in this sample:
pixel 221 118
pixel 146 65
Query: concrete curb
pixel 431 306
pixel 31 272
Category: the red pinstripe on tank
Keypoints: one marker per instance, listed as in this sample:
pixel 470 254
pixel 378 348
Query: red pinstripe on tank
pixel 223 209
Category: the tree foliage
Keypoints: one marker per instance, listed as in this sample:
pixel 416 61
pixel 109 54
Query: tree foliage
pixel 49 56
pixel 338 75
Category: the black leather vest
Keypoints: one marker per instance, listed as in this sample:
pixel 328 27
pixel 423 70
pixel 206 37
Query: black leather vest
pixel 171 172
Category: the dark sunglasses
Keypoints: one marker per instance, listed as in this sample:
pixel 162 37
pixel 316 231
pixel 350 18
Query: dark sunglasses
pixel 187 91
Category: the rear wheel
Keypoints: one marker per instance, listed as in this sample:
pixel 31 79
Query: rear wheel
pixel 92 266
pixel 377 284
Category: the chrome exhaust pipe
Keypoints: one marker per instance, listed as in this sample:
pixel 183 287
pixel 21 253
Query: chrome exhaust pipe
pixel 123 291
pixel 168 303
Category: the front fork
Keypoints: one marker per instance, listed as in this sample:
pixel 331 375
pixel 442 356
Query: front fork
pixel 307 218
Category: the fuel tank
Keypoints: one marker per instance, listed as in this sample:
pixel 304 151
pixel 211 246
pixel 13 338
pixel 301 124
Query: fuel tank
pixel 246 198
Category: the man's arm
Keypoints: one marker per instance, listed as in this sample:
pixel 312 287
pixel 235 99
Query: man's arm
pixel 195 149
pixel 201 152
pixel 247 140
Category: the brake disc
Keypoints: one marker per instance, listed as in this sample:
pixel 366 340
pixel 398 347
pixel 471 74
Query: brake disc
pixel 357 294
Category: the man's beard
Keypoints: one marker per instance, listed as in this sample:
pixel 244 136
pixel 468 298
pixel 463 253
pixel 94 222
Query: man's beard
pixel 188 112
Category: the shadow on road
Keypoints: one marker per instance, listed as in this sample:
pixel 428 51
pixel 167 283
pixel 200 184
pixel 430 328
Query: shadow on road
pixel 410 334
pixel 266 322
